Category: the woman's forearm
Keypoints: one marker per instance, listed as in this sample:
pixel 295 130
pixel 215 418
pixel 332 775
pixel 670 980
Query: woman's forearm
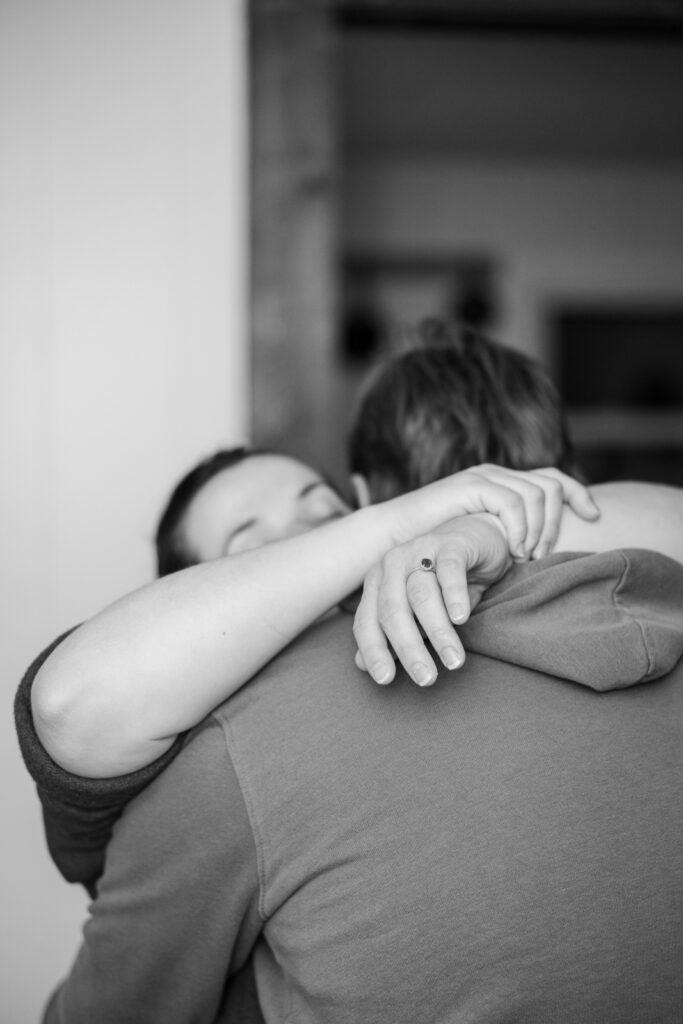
pixel 113 696
pixel 117 691
pixel 632 515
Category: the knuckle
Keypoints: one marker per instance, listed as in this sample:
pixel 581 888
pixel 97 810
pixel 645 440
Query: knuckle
pixel 452 559
pixel 372 654
pixel 419 592
pixel 441 636
pixel 361 625
pixel 390 558
pixel 407 653
pixel 372 577
pixel 387 611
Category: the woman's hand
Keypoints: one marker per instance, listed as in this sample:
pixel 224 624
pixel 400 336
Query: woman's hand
pixel 465 555
pixel 527 502
pixel 427 584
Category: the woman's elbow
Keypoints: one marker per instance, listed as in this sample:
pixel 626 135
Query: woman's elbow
pixel 63 719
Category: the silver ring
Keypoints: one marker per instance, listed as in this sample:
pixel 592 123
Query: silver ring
pixel 426 565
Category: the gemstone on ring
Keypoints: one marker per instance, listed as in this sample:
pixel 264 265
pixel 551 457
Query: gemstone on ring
pixel 427 564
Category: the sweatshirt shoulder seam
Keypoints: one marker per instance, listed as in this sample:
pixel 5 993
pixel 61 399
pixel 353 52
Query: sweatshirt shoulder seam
pixel 623 608
pixel 226 728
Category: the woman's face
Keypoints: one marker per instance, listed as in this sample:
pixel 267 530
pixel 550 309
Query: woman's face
pixel 262 499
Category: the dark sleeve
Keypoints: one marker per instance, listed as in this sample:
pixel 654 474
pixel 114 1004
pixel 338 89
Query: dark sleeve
pixel 78 813
pixel 177 910
pixel 608 620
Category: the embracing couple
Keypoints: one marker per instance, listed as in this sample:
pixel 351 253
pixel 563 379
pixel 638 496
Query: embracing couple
pixel 498 844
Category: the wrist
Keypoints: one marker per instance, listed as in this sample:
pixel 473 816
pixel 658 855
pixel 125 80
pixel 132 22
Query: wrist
pixel 378 528
pixel 420 511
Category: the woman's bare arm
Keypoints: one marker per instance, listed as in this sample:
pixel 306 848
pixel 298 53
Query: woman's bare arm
pixel 633 515
pixel 114 695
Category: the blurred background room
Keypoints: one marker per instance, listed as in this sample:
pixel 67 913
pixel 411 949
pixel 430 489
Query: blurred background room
pixel 216 216
pixel 516 166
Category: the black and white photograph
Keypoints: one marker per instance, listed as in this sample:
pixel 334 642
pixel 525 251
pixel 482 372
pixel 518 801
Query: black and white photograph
pixel 341 385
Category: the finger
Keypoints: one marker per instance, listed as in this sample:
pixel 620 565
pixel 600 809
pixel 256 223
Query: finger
pixel 427 602
pixel 360 661
pixel 552 483
pixel 398 624
pixel 554 503
pixel 505 501
pixel 373 653
pixel 451 574
pixel 533 492
pixel 576 495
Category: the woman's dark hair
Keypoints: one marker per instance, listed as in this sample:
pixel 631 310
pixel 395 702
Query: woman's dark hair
pixel 172 548
pixel 454 400
pixel 173 552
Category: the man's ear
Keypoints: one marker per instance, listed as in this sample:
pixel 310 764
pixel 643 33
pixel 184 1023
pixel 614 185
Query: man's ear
pixel 361 491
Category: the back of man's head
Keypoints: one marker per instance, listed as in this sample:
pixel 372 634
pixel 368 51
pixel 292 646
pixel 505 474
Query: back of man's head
pixel 454 400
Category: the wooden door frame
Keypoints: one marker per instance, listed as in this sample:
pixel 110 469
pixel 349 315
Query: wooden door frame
pixel 293 230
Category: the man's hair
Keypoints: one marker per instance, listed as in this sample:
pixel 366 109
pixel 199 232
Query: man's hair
pixel 172 549
pixel 454 400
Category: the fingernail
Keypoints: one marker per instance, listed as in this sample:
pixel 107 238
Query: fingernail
pixel 422 674
pixel 458 613
pixel 381 674
pixel 450 657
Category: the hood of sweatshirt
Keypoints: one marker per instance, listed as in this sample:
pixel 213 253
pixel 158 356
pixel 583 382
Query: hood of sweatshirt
pixel 608 620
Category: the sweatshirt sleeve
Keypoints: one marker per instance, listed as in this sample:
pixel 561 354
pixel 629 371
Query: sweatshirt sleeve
pixel 78 812
pixel 607 621
pixel 176 915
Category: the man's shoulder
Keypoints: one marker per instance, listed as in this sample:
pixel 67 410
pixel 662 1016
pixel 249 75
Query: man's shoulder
pixel 317 660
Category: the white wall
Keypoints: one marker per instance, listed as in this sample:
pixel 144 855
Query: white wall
pixel 560 230
pixel 122 347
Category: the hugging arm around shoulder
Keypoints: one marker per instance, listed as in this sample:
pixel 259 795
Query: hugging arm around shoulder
pixel 581 598
pixel 578 597
pixel 185 897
